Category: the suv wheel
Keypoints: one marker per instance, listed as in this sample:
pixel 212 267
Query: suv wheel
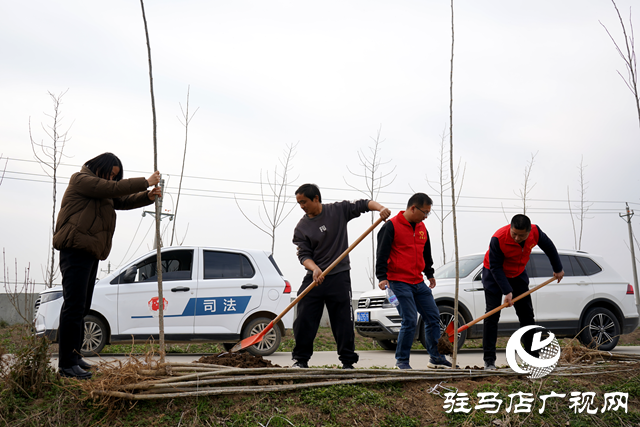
pixel 600 329
pixel 95 336
pixel 388 344
pixel 270 342
pixel 446 317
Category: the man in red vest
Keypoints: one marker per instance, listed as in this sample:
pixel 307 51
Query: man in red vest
pixel 504 274
pixel 404 254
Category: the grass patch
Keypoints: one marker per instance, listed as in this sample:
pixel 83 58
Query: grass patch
pixel 64 404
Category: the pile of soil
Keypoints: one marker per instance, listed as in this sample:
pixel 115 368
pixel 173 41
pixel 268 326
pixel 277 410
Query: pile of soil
pixel 237 360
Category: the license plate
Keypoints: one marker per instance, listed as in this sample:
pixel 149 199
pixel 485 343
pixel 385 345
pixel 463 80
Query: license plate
pixel 362 316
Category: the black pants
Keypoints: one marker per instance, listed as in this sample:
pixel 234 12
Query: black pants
pixel 494 298
pixel 335 292
pixel 79 270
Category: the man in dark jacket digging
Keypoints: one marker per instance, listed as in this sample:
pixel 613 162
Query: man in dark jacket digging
pixel 404 254
pixel 321 237
pixel 504 274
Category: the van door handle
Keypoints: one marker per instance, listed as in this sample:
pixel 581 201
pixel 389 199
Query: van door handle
pixel 180 289
pixel 251 286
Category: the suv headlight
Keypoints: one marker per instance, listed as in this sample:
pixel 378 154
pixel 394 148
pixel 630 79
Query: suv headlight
pixel 50 296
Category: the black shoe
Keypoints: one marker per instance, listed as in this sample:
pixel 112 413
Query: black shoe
pixel 489 366
pixel 347 366
pixel 300 364
pixel 75 372
pixel 84 365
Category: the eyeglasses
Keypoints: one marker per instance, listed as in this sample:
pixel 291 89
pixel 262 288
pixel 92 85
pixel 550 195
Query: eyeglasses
pixel 426 214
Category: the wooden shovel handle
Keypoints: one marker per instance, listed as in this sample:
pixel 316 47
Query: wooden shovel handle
pixel 497 309
pixel 327 270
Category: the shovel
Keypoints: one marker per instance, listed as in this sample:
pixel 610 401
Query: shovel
pixel 450 328
pixel 254 339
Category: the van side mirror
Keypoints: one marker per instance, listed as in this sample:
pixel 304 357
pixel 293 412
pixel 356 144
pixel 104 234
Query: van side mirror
pixel 129 275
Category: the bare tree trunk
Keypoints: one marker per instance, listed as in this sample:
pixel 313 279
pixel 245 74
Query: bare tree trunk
pixel 584 208
pixel 49 158
pixel 443 187
pixel 187 119
pixel 628 56
pixel 157 204
pixel 453 200
pixel 526 188
pixel 278 190
pixel 373 179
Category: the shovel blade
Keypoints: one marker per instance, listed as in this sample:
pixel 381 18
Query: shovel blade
pixel 252 340
pixel 460 329
pixel 449 330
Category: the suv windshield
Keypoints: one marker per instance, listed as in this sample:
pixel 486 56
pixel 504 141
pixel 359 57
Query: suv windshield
pixel 466 265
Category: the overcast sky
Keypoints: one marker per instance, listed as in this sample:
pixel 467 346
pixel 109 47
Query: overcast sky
pixel 538 77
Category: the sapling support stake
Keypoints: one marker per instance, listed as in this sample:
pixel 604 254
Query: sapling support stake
pixel 157 202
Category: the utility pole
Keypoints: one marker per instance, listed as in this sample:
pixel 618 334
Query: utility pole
pixel 108 270
pixel 170 216
pixel 633 255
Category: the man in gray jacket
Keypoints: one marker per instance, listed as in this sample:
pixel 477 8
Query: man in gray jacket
pixel 321 237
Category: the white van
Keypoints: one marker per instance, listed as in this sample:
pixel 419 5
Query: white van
pixel 210 295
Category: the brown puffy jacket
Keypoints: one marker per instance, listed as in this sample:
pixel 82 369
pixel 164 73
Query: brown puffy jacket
pixel 87 217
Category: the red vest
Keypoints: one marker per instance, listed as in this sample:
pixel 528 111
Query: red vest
pixel 516 257
pixel 406 260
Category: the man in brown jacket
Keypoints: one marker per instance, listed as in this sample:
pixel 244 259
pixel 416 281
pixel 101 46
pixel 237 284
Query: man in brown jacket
pixel 84 231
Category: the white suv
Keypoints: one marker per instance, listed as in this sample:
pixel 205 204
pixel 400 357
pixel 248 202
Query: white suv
pixel 210 294
pixel 592 301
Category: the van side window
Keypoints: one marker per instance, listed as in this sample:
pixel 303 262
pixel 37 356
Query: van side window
pixel 589 266
pixel 176 265
pixel 567 266
pixel 225 265
pixel 577 268
pixel 542 266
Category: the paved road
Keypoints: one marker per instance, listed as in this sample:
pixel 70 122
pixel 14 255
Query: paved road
pixel 368 359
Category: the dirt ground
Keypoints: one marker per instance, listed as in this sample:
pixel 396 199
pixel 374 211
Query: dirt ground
pixel 237 360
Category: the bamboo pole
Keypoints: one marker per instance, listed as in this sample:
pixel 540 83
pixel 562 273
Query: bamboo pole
pixel 453 201
pixel 157 203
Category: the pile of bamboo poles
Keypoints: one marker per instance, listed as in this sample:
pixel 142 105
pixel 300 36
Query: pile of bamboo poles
pixel 172 380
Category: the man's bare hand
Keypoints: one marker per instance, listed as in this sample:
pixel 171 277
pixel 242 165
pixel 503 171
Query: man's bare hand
pixel 385 213
pixel 383 284
pixel 317 275
pixel 432 282
pixel 507 299
pixel 154 179
pixel 155 191
pixel 558 276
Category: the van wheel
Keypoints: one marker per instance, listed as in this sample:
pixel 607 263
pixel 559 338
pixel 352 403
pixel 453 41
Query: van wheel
pixel 270 342
pixel 95 336
pixel 390 345
pixel 600 329
pixel 446 317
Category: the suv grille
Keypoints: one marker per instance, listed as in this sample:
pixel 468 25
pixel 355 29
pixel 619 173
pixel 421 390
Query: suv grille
pixel 371 302
pixel 369 327
pixel 35 308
